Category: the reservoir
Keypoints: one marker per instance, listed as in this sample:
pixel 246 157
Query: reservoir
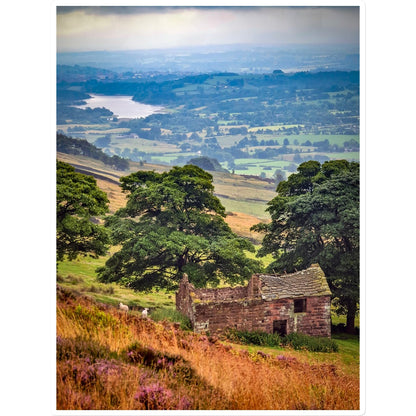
pixel 121 105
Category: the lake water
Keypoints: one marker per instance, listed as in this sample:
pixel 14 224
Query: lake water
pixel 121 105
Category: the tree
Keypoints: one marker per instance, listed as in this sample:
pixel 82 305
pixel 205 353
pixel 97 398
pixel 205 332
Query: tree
pixel 279 176
pixel 78 201
pixel 196 137
pixel 302 182
pixel 315 219
pixel 102 142
pixel 173 224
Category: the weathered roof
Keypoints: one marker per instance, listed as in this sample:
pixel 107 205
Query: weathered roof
pixel 309 282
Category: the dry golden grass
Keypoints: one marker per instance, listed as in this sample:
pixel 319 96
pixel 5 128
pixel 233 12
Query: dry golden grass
pixel 219 376
pixel 241 223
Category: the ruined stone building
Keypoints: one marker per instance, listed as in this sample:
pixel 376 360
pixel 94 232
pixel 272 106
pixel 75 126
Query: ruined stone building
pixel 296 302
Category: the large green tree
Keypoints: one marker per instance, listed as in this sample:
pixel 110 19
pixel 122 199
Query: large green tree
pixel 172 224
pixel 315 218
pixel 78 202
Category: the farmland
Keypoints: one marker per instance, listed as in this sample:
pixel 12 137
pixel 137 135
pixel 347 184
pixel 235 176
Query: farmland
pixel 252 124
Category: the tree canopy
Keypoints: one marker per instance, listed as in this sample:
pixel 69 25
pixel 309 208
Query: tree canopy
pixel 315 218
pixel 173 224
pixel 78 201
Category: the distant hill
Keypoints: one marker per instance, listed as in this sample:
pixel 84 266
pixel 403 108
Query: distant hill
pixel 77 73
pixel 220 58
pixel 72 146
pixel 207 163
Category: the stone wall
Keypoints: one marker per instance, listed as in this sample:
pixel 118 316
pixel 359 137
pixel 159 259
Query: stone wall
pixel 220 295
pixel 317 319
pixel 243 308
pixel 257 314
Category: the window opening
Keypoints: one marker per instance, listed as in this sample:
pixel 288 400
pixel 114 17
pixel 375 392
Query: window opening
pixel 300 305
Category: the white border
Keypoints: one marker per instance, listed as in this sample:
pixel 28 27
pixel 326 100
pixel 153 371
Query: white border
pixel 362 410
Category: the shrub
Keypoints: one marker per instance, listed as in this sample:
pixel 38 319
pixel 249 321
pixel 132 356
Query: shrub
pixel 175 365
pixel 154 397
pixel 92 317
pixel 172 315
pixel 295 340
pixel 73 280
pixel 137 353
pixel 315 344
pixel 157 397
pixel 108 290
pixel 254 337
pixel 342 329
pixel 81 347
pixel 338 328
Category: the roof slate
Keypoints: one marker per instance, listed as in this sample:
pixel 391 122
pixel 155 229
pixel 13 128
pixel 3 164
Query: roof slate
pixel 309 282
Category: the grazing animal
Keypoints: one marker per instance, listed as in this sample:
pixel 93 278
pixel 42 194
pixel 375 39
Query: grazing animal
pixel 123 307
pixel 144 312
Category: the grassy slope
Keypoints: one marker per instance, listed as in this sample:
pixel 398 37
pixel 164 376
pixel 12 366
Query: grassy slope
pixel 80 275
pixel 114 361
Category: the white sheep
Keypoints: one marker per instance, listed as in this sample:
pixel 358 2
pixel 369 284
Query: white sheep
pixel 144 312
pixel 123 307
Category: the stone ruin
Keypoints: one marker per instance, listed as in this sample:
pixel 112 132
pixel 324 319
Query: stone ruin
pixel 296 302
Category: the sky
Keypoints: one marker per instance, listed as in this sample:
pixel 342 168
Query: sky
pixel 98 28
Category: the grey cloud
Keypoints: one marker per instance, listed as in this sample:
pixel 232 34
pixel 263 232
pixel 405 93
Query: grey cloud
pixel 131 10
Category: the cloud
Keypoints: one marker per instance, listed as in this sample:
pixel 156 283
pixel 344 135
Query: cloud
pixel 131 27
pixel 130 10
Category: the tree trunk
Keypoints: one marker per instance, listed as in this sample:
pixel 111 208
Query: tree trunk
pixel 352 309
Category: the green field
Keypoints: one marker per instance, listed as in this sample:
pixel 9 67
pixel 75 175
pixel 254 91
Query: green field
pixel 164 152
pixel 230 140
pixel 80 275
pixel 275 128
pixel 257 209
pixel 252 166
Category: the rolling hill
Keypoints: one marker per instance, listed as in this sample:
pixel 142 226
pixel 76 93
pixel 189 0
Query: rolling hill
pixel 244 198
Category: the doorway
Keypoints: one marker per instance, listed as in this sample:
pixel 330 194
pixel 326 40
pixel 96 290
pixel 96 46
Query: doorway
pixel 280 327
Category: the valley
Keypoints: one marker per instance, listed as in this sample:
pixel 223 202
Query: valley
pixel 254 124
